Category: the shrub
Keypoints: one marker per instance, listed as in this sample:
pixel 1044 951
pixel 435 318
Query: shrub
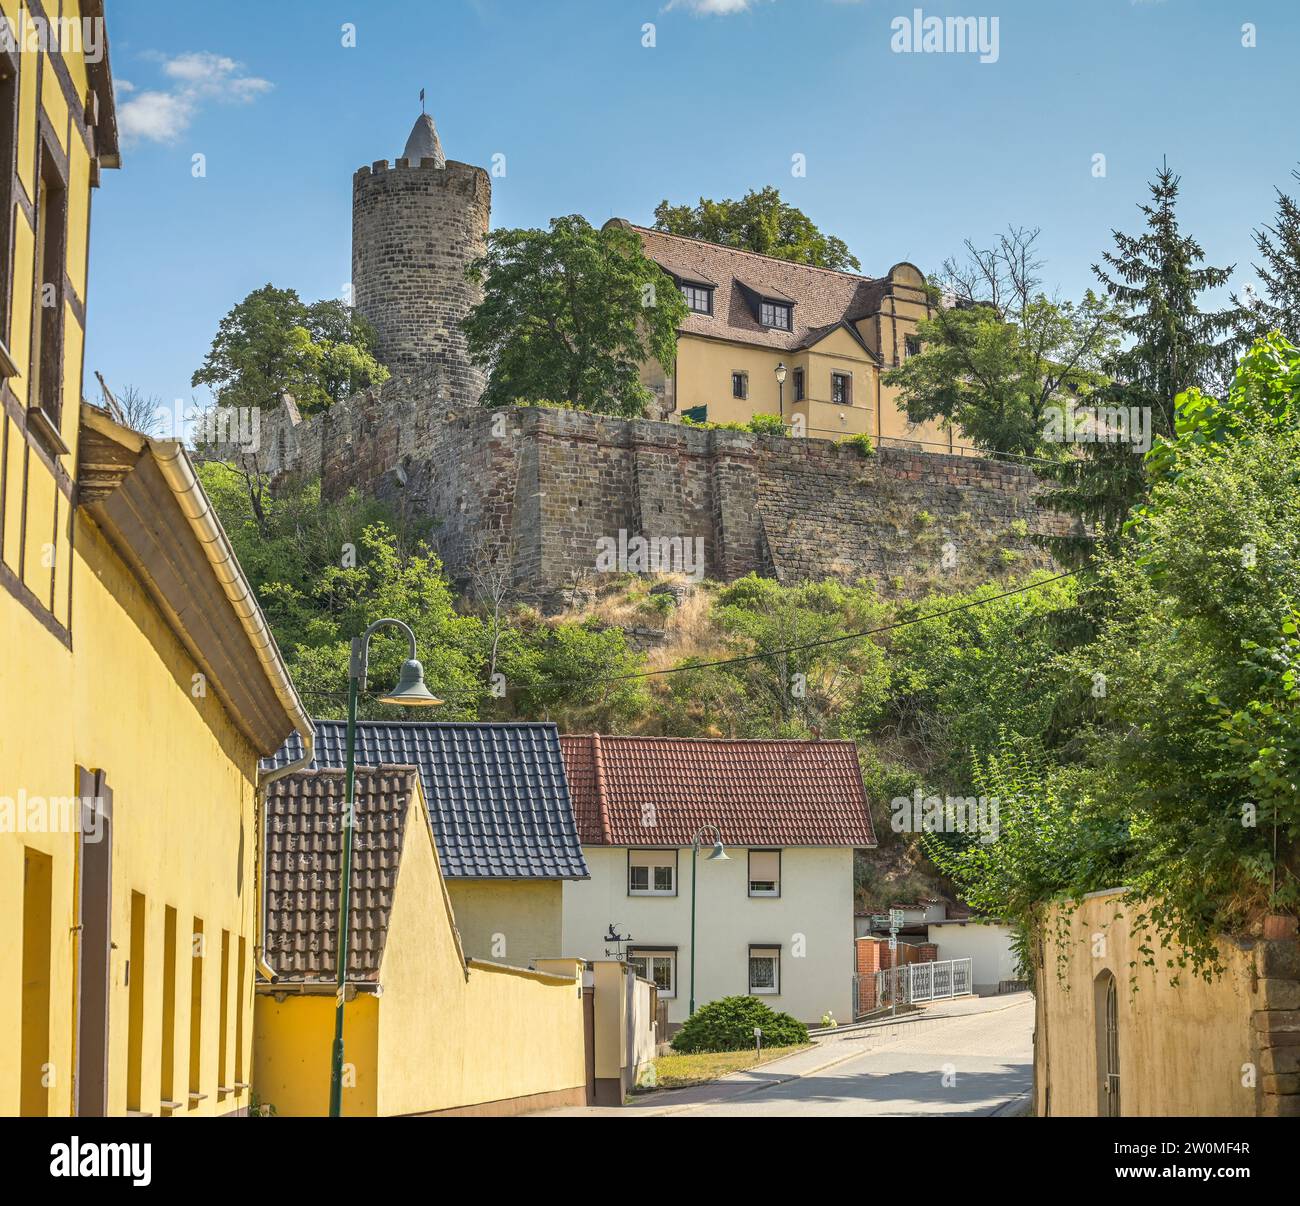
pixel 767 425
pixel 862 442
pixel 728 1025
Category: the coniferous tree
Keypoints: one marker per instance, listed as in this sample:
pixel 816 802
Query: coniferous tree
pixel 1158 279
pixel 1279 273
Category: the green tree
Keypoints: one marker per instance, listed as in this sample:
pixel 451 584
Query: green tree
pixel 1279 273
pixel 1158 279
pixel 997 354
pixel 570 315
pixel 759 221
pixel 271 342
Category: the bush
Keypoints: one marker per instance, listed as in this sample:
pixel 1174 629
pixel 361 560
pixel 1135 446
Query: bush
pixel 861 441
pixel 767 425
pixel 728 1025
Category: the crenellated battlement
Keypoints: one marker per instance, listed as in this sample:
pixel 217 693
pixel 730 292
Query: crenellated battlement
pixel 417 224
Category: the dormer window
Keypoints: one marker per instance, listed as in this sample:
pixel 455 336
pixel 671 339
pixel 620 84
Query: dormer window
pixel 775 314
pixel 699 298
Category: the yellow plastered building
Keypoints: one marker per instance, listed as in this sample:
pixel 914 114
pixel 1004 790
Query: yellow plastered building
pixel 811 345
pixel 139 683
pixel 426 1031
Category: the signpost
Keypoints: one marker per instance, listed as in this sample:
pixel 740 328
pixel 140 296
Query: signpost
pixel 895 924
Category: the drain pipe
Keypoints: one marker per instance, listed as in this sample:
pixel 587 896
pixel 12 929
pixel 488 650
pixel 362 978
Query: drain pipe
pixel 178 471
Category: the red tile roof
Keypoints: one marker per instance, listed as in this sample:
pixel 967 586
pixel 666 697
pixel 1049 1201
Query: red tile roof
pixel 658 791
pixel 823 297
pixel 304 855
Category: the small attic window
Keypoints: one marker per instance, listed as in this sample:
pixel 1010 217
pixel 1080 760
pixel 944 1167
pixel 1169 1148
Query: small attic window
pixel 775 314
pixel 699 298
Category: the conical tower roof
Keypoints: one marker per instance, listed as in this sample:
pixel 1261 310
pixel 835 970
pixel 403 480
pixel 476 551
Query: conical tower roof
pixel 423 142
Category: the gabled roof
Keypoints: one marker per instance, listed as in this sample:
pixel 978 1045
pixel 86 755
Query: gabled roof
pixel 304 852
pixel 497 794
pixel 658 791
pixel 144 496
pixel 822 298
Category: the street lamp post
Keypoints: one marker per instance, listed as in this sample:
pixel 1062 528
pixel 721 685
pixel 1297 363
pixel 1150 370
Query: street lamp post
pixel 410 692
pixel 717 855
pixel 780 385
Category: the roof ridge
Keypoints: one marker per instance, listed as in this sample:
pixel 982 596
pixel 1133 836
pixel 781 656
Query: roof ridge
pixel 776 259
pixel 803 742
pixel 602 807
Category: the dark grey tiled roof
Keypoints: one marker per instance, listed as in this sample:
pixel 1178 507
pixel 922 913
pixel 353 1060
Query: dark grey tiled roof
pixel 497 793
pixel 304 853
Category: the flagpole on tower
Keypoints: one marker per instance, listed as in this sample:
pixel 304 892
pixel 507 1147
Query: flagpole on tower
pixel 422 100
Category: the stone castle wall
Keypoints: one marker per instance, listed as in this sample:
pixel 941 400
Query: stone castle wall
pixel 545 485
pixel 415 229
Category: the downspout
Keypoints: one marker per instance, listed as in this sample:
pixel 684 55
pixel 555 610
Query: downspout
pixel 178 472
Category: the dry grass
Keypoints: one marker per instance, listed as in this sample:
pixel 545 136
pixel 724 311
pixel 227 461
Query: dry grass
pixel 679 1071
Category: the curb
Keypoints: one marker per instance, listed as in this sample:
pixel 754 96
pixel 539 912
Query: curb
pixel 747 1090
pixel 1014 1107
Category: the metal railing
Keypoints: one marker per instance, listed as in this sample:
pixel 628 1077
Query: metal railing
pixel 916 982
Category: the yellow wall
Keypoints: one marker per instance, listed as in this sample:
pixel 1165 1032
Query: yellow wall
pixel 1184 1050
pixel 293 1041
pixel 93 677
pixel 508 920
pixel 183 836
pixel 447 1036
pixel 704 368
pixel 37 511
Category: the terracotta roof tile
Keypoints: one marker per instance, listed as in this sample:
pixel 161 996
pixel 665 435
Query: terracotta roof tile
pixel 658 791
pixel 823 298
pixel 304 852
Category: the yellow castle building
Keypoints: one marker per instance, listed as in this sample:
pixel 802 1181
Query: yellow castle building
pixel 766 336
pixel 139 683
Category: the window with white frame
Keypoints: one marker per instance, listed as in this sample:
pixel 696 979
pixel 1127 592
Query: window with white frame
pixel 765 970
pixel 765 873
pixel 652 872
pixel 659 966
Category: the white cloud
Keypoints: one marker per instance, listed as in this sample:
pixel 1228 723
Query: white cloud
pixel 197 77
pixel 713 8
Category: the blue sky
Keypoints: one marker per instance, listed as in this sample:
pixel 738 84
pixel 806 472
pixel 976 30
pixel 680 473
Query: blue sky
pixel 907 154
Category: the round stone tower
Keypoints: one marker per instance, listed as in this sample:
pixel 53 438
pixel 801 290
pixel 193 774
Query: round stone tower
pixel 416 226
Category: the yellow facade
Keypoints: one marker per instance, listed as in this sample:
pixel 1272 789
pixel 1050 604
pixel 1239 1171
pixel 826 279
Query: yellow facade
pixel 509 920
pixel 128 939
pixel 442 1034
pixel 1189 1049
pixel 702 376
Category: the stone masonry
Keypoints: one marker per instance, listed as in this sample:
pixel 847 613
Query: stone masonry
pixel 416 227
pixel 545 485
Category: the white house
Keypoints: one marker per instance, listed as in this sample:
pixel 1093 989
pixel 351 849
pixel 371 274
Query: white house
pixel 986 943
pixel 775 918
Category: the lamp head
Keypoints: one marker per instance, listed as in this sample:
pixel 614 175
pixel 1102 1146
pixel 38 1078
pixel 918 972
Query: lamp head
pixel 719 855
pixel 780 374
pixel 410 691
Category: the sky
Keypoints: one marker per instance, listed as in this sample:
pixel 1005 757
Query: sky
pixel 607 107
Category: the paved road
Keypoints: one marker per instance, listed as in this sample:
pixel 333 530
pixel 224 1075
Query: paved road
pixel 967 1058
pixel 958 1063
